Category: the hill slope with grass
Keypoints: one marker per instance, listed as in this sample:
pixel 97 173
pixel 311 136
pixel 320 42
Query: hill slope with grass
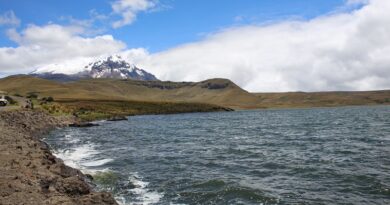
pixel 221 92
pixel 323 99
pixel 215 91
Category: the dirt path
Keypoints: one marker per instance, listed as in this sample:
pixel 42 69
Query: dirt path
pixel 22 102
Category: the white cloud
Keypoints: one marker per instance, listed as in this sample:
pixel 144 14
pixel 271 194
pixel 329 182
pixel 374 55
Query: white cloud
pixel 77 64
pixel 354 2
pixel 345 51
pixel 342 51
pixel 9 18
pixel 128 9
pixel 42 45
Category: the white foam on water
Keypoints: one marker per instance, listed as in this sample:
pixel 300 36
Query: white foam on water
pixel 74 157
pixel 97 163
pixel 144 196
pixel 83 158
pixel 72 139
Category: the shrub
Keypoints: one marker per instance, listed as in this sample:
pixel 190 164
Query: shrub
pixel 47 99
pixel 32 95
pixel 10 100
pixel 50 99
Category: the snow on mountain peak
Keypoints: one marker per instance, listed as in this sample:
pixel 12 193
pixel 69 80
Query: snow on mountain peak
pixel 113 66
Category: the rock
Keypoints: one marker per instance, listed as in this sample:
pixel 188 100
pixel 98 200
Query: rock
pixel 118 118
pixel 89 177
pixel 98 198
pixel 88 124
pixel 72 186
pixel 29 173
pixel 45 185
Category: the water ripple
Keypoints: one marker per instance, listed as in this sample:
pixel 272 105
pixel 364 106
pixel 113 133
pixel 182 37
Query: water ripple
pixel 298 156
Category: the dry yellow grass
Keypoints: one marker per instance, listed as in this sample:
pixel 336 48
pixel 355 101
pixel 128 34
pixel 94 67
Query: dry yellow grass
pixel 323 99
pixel 220 92
pixel 216 91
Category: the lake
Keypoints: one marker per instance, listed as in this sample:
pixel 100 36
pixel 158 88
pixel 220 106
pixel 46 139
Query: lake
pixel 290 156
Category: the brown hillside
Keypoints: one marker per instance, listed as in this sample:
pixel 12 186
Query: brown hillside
pixel 220 92
pixel 215 91
pixel 323 99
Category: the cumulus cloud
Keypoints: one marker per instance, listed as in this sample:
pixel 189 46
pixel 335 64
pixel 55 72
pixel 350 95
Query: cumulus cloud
pixel 77 64
pixel 9 18
pixel 344 51
pixel 339 51
pixel 42 45
pixel 128 9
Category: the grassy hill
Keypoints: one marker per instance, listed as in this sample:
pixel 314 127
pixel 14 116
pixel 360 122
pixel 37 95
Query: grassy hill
pixel 221 92
pixel 215 91
pixel 323 99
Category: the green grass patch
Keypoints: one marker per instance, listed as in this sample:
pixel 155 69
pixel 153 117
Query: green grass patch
pixel 89 110
pixel 106 180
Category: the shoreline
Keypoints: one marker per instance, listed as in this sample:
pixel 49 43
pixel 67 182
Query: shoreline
pixel 30 173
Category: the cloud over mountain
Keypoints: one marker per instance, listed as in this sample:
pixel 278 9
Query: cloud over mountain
pixel 40 45
pixel 342 51
pixel 339 51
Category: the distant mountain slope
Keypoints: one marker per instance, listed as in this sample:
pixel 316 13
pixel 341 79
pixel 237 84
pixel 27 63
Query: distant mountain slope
pixel 111 67
pixel 221 92
pixel 323 99
pixel 215 91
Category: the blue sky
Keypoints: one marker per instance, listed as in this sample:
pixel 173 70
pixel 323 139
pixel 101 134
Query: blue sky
pixel 262 45
pixel 171 22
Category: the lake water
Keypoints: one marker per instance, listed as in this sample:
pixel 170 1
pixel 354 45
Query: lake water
pixel 297 156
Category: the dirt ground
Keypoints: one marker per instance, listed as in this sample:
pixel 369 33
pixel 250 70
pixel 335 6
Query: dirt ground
pixel 22 101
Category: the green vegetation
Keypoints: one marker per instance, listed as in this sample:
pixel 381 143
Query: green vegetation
pixel 32 95
pixel 220 92
pixel 11 101
pixel 106 180
pixel 89 110
pixel 47 99
pixel 123 97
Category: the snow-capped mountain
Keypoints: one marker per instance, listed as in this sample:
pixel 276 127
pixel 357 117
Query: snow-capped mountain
pixel 109 67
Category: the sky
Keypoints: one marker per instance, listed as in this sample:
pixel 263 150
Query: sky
pixel 262 45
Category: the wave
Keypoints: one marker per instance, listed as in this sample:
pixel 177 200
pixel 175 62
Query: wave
pixel 219 192
pixel 85 157
pixel 140 191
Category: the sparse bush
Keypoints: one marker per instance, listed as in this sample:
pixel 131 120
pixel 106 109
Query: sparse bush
pixel 50 99
pixel 47 99
pixel 11 101
pixel 32 95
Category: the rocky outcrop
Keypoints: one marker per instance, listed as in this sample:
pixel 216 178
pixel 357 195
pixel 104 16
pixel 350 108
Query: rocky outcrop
pixel 83 124
pixel 117 118
pixel 30 173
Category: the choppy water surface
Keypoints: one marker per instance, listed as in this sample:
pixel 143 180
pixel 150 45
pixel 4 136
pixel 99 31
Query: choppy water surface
pixel 303 156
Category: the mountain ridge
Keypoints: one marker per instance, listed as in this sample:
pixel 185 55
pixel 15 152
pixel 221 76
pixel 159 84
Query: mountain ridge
pixel 222 92
pixel 113 66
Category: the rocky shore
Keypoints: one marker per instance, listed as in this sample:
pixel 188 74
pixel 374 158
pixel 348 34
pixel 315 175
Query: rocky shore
pixel 30 173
